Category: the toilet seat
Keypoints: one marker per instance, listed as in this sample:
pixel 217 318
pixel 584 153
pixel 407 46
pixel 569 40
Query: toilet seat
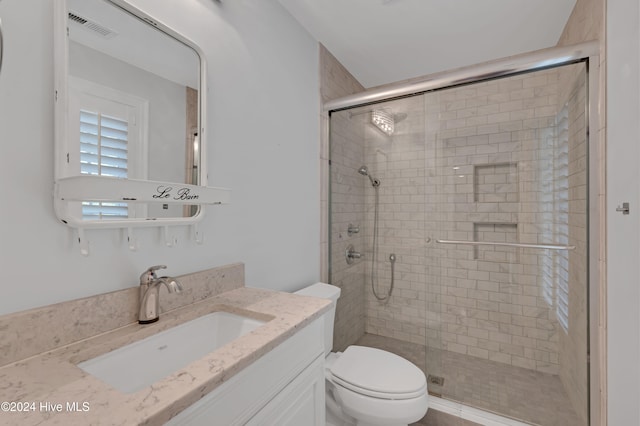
pixel 378 374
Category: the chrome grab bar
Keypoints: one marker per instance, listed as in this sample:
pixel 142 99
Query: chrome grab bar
pixel 522 245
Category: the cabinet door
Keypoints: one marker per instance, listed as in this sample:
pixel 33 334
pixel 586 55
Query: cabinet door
pixel 246 394
pixel 300 403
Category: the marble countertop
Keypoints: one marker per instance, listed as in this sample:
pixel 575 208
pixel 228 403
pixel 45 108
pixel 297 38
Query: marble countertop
pixel 50 389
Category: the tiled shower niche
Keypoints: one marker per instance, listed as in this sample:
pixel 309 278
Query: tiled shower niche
pixel 495 183
pixel 498 233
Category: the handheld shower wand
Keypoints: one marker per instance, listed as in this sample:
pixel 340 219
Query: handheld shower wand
pixel 364 171
pixel 392 258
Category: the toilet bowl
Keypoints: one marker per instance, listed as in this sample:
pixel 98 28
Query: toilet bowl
pixel 375 387
pixel 367 386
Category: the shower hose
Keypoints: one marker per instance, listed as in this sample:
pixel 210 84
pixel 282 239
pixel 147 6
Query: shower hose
pixel 374 256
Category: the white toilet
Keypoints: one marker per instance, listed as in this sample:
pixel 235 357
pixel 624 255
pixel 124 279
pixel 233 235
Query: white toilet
pixel 367 386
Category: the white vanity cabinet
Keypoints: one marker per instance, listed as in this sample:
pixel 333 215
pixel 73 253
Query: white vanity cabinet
pixel 283 387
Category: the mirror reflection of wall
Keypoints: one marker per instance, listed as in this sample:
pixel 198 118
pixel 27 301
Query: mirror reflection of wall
pixel 124 71
pixel 192 142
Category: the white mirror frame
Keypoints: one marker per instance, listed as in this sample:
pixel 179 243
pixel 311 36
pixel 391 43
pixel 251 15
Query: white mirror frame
pixel 99 188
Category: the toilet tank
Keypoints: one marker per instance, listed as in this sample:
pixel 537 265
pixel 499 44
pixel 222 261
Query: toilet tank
pixel 324 291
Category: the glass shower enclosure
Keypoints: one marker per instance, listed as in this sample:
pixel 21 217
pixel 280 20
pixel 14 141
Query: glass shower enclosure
pixel 482 203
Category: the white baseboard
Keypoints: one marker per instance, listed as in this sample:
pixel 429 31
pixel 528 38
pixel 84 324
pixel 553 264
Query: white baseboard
pixel 470 413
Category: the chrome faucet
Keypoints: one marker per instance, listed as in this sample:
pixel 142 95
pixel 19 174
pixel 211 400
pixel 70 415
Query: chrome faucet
pixel 149 293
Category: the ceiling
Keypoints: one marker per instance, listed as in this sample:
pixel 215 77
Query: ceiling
pixel 384 41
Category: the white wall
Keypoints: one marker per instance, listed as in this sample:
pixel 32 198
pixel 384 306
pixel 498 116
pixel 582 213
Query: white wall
pixel 623 177
pixel 262 138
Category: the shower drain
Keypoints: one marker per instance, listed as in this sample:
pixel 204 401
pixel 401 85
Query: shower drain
pixel 436 380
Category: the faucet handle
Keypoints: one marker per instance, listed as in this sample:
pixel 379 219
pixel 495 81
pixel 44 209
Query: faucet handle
pixel 150 274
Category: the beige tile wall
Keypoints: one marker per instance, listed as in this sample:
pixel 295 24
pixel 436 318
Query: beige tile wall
pixel 347 151
pixel 399 162
pixel 347 208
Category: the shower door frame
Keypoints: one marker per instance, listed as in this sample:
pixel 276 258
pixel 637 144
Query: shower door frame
pixel 589 53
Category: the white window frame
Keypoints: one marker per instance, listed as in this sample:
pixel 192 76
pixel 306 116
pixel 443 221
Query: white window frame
pixel 88 95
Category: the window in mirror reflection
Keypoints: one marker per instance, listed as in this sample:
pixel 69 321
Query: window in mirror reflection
pixel 103 144
pixel 96 210
pixel 103 152
pixel 108 133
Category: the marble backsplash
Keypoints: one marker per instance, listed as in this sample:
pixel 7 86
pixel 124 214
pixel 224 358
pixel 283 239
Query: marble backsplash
pixel 27 333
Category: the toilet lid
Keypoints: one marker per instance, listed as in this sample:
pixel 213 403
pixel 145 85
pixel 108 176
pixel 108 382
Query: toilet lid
pixel 378 373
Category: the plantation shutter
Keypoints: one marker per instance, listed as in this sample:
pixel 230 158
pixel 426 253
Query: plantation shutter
pixel 561 220
pixel 103 145
pixel 103 152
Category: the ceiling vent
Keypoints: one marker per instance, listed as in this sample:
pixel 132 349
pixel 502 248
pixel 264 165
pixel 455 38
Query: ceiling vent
pixel 89 25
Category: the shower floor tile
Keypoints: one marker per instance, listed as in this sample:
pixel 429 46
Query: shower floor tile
pixel 526 395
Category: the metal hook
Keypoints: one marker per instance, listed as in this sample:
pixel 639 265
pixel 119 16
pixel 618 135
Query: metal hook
pixel 197 234
pixel 169 240
pixel 84 242
pixel 133 243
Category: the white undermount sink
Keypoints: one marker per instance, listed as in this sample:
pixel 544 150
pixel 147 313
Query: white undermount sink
pixel 142 363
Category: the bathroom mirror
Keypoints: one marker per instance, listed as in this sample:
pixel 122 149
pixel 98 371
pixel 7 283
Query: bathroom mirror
pixel 129 108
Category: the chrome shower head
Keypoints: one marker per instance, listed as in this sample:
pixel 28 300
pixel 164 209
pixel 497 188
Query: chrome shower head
pixel 364 171
pixel 383 120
